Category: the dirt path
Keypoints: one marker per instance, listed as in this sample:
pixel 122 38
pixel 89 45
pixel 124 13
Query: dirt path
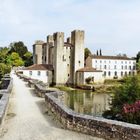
pixel 28 120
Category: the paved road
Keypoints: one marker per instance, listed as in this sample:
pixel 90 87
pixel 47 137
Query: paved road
pixel 27 119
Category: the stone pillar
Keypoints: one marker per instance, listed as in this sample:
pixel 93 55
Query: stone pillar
pixel 37 52
pixel 77 60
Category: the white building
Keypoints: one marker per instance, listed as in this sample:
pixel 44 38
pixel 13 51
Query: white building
pixel 42 72
pixel 84 73
pixel 113 67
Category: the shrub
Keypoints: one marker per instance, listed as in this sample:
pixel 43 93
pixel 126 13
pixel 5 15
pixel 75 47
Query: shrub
pixel 126 102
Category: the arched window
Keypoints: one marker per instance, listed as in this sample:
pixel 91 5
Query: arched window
pixel 121 73
pixel 115 73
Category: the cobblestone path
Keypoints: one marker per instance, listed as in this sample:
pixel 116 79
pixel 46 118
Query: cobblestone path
pixel 27 119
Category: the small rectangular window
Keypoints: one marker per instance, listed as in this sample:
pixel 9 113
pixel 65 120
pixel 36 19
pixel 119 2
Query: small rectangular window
pixel 30 72
pixel 38 73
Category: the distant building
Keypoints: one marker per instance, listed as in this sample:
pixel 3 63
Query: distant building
pixel 42 72
pixel 113 67
pixel 67 60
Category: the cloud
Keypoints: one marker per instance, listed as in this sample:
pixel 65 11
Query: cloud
pixel 110 25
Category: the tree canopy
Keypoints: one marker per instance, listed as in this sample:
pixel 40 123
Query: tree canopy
pixel 19 48
pixel 87 53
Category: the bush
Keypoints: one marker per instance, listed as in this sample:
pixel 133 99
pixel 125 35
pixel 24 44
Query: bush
pixel 128 94
pixel 88 80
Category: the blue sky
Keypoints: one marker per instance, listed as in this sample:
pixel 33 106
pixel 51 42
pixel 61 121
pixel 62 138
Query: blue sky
pixel 112 25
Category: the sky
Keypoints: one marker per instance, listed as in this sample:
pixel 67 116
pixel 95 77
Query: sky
pixel 110 25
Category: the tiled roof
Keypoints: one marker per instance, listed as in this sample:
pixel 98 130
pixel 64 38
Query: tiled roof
pixel 111 57
pixel 40 67
pixel 88 69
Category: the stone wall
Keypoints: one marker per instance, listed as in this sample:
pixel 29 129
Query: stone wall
pixel 7 84
pixel 95 126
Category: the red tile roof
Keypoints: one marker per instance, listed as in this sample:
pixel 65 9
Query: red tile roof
pixel 88 69
pixel 40 67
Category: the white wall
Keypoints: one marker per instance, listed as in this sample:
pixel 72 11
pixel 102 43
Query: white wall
pixel 81 77
pixel 46 78
pixel 112 66
pixel 98 78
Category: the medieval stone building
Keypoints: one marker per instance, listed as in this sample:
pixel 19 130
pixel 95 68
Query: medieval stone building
pixel 65 57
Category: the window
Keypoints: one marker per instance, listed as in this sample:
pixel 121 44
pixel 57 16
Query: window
pixel 79 62
pixel 134 67
pixel 125 73
pixel 100 61
pixel 115 67
pixel 125 67
pixel 130 67
pixel 115 73
pixel 47 73
pixel 121 73
pixel 129 72
pixel 30 73
pixel 109 73
pixel 104 73
pixel 38 73
pixel 68 75
pixel 96 61
pixel 122 67
pixel 104 66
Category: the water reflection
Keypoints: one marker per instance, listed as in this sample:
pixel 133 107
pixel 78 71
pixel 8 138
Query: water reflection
pixel 86 102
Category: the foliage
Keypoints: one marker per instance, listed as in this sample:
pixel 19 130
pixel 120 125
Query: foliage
pixel 87 53
pixel 138 57
pixel 3 54
pixel 4 69
pixel 14 60
pixel 127 93
pixel 138 65
pixel 28 58
pixel 19 48
pixel 88 80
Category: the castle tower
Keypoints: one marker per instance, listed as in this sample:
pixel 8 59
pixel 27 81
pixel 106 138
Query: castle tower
pixel 77 53
pixel 48 53
pixel 37 52
pixel 59 58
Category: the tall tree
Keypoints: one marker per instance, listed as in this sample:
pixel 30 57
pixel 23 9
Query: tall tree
pixel 15 60
pixel 19 48
pixel 28 59
pixel 138 57
pixel 87 53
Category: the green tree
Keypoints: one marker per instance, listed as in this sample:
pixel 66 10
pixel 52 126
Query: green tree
pixel 138 57
pixel 28 58
pixel 15 60
pixel 87 53
pixel 3 54
pixel 19 48
pixel 4 69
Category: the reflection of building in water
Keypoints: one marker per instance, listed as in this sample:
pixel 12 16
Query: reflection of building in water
pixel 87 103
pixel 100 103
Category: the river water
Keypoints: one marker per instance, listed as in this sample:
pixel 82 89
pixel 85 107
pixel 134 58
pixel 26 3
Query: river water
pixel 86 102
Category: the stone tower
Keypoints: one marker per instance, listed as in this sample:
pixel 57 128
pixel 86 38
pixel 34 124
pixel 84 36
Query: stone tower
pixel 50 43
pixel 77 53
pixel 59 58
pixel 37 52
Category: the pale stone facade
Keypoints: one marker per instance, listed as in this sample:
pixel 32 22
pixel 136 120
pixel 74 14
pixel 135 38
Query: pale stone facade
pixel 66 57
